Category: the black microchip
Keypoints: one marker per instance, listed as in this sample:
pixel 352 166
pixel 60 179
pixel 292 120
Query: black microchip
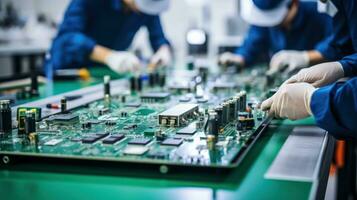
pixel 155 96
pixel 89 139
pixel 135 105
pixel 101 135
pixel 189 130
pixel 113 139
pixel 140 141
pixel 172 142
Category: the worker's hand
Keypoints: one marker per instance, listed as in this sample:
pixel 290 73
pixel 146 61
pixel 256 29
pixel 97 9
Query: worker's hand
pixel 161 58
pixel 319 75
pixel 292 101
pixel 289 61
pixel 122 62
pixel 228 58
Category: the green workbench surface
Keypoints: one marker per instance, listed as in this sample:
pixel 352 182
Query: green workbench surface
pixel 26 181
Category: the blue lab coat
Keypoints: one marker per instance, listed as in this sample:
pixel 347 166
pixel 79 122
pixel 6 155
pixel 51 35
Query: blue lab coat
pixel 335 107
pixel 308 31
pixel 108 23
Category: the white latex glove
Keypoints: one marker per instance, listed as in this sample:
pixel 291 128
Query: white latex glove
pixel 289 59
pixel 319 75
pixel 162 57
pixel 292 101
pixel 229 58
pixel 122 62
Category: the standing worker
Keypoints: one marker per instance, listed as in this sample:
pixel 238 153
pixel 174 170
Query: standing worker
pixel 285 29
pixel 310 92
pixel 98 32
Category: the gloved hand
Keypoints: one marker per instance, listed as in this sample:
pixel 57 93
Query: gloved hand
pixel 161 58
pixel 291 101
pixel 122 61
pixel 228 58
pixel 319 75
pixel 289 61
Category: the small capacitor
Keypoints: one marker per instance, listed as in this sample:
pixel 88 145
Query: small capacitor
pixel 63 105
pixel 243 101
pixel 225 113
pixel 232 110
pixel 151 80
pixel 132 84
pixel 107 85
pixel 30 122
pixel 5 116
pixel 21 123
pixel 219 111
pixel 162 80
pixel 213 124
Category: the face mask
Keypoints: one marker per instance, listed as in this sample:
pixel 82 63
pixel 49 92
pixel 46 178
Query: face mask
pixel 328 7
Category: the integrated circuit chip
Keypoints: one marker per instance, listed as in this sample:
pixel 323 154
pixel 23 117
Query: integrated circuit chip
pixel 188 130
pixel 63 119
pixel 140 141
pixel 113 139
pixel 172 142
pixel 155 97
pixel 135 150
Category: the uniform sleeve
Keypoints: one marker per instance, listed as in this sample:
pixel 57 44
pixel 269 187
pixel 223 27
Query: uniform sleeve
pixel 335 108
pixel 349 64
pixel 72 47
pixel 156 34
pixel 255 43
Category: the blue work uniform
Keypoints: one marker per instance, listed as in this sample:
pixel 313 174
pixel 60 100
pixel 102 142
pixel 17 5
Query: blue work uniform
pixel 307 32
pixel 96 22
pixel 335 107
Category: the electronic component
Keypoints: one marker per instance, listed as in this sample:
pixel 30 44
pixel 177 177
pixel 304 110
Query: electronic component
pixel 136 83
pixel 219 111
pixel 135 150
pixel 213 124
pixel 233 110
pixel 178 115
pixel 5 116
pixel 21 122
pixel 140 141
pixel 172 142
pixel 107 85
pixel 52 106
pixel 36 110
pixel 53 142
pixel 34 85
pixel 63 119
pixel 133 104
pixel 30 122
pixel 189 130
pixel 218 87
pixel 113 139
pixel 154 97
pixel 63 105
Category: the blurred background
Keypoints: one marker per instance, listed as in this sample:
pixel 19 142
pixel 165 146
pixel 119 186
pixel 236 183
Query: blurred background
pixel 28 26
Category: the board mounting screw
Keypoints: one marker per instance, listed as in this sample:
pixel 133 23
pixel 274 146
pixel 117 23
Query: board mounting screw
pixel 164 169
pixel 6 159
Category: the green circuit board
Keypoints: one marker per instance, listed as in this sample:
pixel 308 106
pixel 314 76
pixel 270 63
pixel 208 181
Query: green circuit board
pixel 160 125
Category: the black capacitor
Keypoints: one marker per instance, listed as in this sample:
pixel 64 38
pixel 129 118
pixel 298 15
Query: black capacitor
pixel 225 113
pixel 106 85
pixel 123 99
pixel 219 111
pixel 156 78
pixel 243 101
pixel 213 124
pixel 139 83
pixel 21 123
pixel 30 122
pixel 162 80
pixel 151 80
pixel 63 105
pixel 34 84
pixel 5 116
pixel 132 84
pixel 232 110
pixel 237 100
